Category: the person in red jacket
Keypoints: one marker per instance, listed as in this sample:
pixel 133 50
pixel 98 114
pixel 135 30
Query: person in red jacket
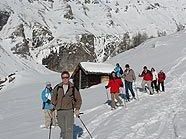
pixel 114 84
pixel 161 79
pixel 147 79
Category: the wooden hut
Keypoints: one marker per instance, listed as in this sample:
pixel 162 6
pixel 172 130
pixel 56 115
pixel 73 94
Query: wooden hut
pixel 87 74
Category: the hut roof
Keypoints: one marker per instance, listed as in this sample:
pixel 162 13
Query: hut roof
pixel 91 67
pixel 94 68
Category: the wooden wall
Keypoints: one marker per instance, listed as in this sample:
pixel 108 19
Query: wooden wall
pixel 94 79
pixel 87 80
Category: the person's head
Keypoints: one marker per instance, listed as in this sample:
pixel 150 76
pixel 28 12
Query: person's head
pixel 65 76
pixel 113 74
pixel 117 65
pixel 48 85
pixel 145 68
pixel 127 66
pixel 152 69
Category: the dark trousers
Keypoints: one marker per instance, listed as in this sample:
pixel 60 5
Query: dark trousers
pixel 128 86
pixel 154 85
pixel 162 86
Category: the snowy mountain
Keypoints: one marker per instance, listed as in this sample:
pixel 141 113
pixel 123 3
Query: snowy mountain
pixel 152 117
pixel 14 67
pixel 56 32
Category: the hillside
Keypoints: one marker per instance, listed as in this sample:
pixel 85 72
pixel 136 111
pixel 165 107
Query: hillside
pixel 56 32
pixel 152 117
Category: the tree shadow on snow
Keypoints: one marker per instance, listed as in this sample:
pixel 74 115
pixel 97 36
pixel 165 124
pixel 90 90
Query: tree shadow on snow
pixel 78 132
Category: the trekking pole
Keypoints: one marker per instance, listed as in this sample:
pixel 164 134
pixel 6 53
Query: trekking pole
pixel 50 130
pixel 51 122
pixel 125 104
pixel 107 95
pixel 135 86
pixel 85 126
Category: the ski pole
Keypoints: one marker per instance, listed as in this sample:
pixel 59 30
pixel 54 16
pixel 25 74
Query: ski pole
pixel 85 126
pixel 107 94
pixel 51 122
pixel 136 91
pixel 50 131
pixel 125 104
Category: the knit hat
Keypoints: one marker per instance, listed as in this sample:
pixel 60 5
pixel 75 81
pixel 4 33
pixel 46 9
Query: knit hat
pixel 145 67
pixel 127 66
pixel 48 84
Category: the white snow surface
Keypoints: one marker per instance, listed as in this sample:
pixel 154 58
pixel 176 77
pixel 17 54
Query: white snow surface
pixel 160 116
pixel 97 67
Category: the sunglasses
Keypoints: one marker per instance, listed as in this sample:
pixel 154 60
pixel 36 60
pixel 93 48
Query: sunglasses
pixel 65 77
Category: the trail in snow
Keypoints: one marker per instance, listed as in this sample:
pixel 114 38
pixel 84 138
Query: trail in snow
pixel 153 117
pixel 161 116
pixel 139 121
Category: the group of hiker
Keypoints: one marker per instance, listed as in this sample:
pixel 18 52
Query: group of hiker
pixel 151 81
pixel 62 103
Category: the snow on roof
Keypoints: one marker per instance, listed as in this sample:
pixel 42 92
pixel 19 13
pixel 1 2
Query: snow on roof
pixel 97 67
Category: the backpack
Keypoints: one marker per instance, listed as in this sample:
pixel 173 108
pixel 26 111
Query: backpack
pixel 121 71
pixel 73 94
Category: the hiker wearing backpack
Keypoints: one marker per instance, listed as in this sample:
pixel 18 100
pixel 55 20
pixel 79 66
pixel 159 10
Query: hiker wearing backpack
pixel 114 84
pixel 118 70
pixel 154 80
pixel 129 77
pixel 67 101
pixel 147 79
pixel 161 79
pixel 47 107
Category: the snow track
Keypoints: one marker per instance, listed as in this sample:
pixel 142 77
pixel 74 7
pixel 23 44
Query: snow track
pixel 153 117
pixel 149 118
pixel 160 116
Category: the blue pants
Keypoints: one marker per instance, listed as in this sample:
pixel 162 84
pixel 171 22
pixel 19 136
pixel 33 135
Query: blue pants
pixel 128 86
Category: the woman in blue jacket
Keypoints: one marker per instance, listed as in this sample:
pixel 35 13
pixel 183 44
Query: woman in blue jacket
pixel 118 70
pixel 49 113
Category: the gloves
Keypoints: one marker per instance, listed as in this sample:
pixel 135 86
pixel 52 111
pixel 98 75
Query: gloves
pixel 52 110
pixel 76 113
pixel 48 101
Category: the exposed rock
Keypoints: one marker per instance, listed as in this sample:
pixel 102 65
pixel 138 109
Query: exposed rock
pixel 41 35
pixel 126 43
pixel 3 18
pixel 70 54
pixel 22 48
pixel 69 13
pixel 19 32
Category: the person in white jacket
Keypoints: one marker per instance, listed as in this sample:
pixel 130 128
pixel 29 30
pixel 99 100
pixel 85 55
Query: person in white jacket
pixel 154 80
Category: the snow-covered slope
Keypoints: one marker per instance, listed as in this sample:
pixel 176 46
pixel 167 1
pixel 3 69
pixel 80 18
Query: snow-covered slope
pixel 94 16
pixel 11 63
pixel 87 29
pixel 152 117
pixel 14 67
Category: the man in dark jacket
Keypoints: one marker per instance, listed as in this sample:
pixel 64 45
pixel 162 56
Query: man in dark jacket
pixel 67 101
pixel 129 77
pixel 147 79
